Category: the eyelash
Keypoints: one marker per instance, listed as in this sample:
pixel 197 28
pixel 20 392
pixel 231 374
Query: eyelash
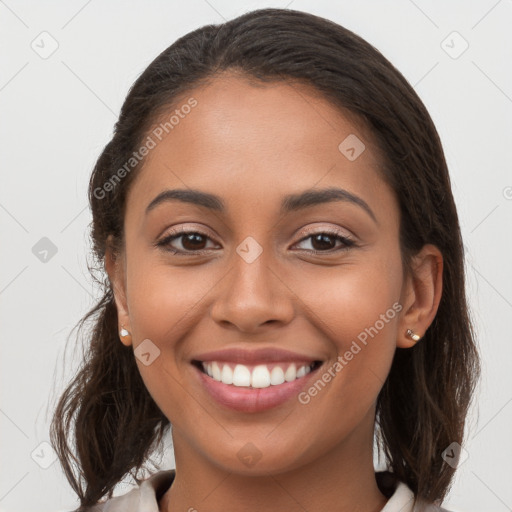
pixel 164 243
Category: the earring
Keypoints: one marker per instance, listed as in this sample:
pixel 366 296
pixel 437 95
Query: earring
pixel 412 335
pixel 123 332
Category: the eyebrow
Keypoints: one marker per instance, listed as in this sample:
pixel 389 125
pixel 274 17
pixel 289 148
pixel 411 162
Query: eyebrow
pixel 290 203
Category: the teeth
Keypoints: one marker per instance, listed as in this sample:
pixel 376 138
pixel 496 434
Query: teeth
pixel 241 376
pixel 276 376
pixel 290 374
pixel 227 374
pixel 259 377
pixel 216 371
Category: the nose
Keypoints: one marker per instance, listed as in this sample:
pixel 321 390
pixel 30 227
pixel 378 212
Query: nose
pixel 252 295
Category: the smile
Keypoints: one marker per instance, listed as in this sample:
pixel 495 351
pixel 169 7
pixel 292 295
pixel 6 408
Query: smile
pixel 257 376
pixel 252 389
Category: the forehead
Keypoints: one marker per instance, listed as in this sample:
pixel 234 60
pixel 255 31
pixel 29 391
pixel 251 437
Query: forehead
pixel 253 142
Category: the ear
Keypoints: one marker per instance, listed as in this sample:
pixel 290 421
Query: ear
pixel 114 266
pixel 421 294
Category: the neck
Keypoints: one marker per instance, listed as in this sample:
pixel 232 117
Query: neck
pixel 342 480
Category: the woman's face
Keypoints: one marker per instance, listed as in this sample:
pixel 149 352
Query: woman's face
pixel 250 279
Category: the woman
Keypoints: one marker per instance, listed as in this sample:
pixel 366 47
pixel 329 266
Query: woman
pixel 285 280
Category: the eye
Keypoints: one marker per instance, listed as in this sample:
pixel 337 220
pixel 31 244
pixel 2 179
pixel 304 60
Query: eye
pixel 324 241
pixel 192 242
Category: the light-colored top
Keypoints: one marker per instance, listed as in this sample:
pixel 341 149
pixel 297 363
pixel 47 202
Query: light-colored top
pixel 145 497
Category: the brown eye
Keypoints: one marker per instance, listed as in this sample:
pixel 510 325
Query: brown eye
pixel 325 241
pixel 191 242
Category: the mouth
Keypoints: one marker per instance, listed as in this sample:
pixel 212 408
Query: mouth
pixel 257 387
pixel 256 376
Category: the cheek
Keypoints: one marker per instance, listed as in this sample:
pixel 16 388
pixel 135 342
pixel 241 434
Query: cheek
pixel 161 299
pixel 346 300
pixel 356 308
pixel 163 306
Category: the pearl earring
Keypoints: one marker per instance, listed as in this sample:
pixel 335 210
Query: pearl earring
pixel 412 335
pixel 123 332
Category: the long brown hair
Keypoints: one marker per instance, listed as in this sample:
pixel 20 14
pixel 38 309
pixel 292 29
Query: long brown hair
pixel 106 425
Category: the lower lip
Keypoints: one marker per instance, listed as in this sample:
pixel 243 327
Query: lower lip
pixel 245 399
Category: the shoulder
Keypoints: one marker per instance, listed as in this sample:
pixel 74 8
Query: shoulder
pixel 143 498
pixel 401 497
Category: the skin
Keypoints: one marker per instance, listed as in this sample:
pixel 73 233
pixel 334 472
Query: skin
pixel 251 146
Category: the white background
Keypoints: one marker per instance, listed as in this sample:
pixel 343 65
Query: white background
pixel 58 113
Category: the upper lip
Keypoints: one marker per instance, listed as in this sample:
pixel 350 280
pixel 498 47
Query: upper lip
pixel 261 355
